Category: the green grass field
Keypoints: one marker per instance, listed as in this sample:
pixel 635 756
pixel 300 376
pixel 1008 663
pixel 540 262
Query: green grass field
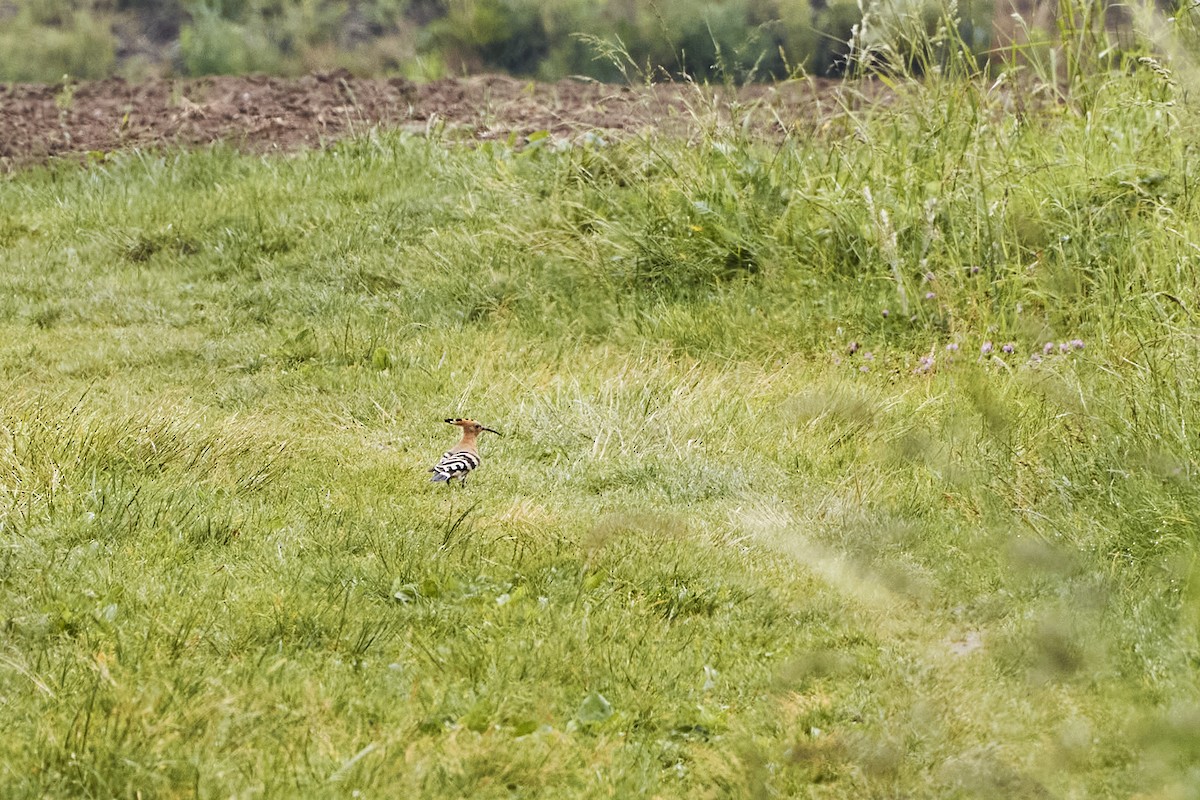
pixel 858 464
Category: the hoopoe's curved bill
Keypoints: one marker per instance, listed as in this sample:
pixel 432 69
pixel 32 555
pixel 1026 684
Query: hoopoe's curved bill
pixel 492 430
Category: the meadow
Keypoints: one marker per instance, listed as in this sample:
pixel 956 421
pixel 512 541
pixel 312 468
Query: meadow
pixel 854 463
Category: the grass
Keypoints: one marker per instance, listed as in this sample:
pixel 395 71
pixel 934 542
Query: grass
pixel 745 534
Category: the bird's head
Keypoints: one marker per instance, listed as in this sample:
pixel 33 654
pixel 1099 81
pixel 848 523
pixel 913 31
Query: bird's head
pixel 471 426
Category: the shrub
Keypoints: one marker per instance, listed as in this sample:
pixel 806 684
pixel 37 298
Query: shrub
pixel 213 45
pixel 38 47
pixel 491 34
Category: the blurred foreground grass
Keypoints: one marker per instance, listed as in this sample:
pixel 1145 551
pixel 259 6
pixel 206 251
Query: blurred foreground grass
pixel 856 465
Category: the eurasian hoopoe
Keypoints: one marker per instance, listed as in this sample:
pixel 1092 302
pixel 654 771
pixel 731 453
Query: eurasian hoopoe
pixel 463 457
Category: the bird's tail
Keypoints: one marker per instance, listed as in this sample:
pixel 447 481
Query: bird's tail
pixel 440 477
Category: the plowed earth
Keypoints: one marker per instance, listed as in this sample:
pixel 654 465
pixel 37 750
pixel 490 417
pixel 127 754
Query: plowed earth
pixel 40 122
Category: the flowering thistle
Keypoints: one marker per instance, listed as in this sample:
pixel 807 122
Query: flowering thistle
pixel 1048 348
pixel 1064 348
pixel 985 349
pixel 1008 347
pixel 1077 344
pixel 925 365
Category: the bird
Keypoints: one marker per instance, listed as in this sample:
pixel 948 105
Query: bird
pixel 463 457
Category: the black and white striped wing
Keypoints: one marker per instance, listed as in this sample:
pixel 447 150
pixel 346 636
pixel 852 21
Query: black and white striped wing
pixel 454 465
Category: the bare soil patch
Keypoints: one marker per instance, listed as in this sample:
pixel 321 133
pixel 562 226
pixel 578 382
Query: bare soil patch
pixel 40 122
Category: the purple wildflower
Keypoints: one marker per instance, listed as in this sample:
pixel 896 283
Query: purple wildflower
pixel 929 277
pixel 1009 347
pixel 975 270
pixel 864 368
pixel 885 313
pixel 1077 344
pixel 930 295
pixel 853 348
pixel 925 365
pixel 1048 348
pixel 952 347
pixel 985 349
pixel 868 356
pixel 1064 348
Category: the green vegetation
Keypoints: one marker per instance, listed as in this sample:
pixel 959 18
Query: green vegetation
pixel 859 463
pixel 41 40
pixel 725 40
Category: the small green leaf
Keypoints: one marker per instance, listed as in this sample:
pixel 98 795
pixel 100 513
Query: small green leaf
pixel 524 727
pixel 405 592
pixel 594 708
pixel 479 718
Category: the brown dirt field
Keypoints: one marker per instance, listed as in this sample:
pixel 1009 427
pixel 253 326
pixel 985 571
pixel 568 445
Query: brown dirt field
pixel 40 122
